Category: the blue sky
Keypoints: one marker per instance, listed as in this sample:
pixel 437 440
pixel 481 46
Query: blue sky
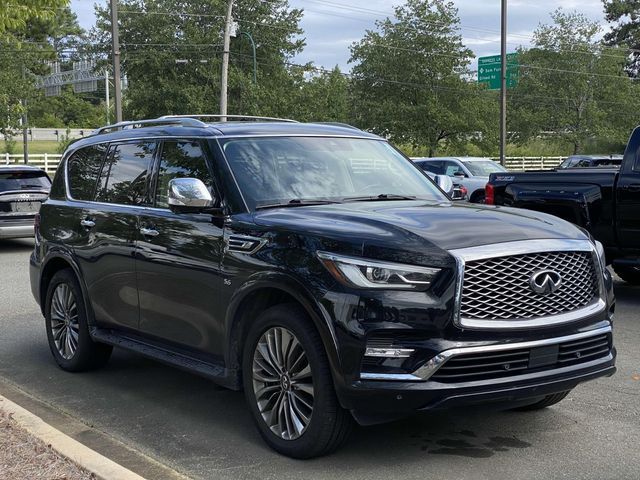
pixel 332 25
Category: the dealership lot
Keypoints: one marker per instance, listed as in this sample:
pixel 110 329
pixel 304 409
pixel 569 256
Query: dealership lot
pixel 204 431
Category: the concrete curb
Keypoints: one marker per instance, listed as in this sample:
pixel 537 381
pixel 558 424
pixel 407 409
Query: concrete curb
pixel 90 460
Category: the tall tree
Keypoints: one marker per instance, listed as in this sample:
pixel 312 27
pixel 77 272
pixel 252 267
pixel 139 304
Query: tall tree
pixel 23 51
pixel 14 16
pixel 572 87
pixel 171 54
pixel 625 32
pixel 410 77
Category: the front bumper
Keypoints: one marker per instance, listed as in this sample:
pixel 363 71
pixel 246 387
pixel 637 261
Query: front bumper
pixel 375 398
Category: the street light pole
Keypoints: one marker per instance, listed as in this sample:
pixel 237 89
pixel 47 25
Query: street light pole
pixel 115 44
pixel 255 62
pixel 503 82
pixel 224 80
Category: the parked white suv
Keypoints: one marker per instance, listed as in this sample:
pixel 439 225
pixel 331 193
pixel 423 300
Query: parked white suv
pixel 470 172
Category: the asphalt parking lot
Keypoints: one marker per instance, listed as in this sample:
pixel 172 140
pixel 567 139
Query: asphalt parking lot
pixel 204 432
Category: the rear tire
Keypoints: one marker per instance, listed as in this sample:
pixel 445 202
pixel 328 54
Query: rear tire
pixel 67 327
pixel 288 385
pixel 478 197
pixel 545 402
pixel 628 274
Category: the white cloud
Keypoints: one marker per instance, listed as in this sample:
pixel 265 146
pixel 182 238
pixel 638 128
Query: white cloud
pixel 332 25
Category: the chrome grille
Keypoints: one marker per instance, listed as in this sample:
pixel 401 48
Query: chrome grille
pixel 498 288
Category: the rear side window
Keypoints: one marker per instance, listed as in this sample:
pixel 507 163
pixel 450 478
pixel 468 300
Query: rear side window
pixel 181 159
pixel 124 175
pixel 83 170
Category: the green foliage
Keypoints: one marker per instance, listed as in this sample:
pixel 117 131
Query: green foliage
pixel 66 110
pixel 64 142
pixel 10 142
pixel 15 15
pixel 153 43
pixel 625 31
pixel 410 79
pixel 25 48
pixel 572 88
pixel 324 98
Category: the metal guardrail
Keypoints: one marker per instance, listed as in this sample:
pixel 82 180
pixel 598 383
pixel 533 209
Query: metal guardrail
pixel 49 161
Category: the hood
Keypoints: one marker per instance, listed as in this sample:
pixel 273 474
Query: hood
pixel 417 224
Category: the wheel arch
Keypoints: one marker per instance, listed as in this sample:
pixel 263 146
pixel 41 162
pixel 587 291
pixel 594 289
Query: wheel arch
pixel 56 261
pixel 264 292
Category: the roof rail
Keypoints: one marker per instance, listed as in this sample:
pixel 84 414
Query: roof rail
pixel 233 117
pixel 185 122
pixel 338 124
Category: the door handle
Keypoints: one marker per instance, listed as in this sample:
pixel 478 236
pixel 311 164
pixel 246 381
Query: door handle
pixel 149 232
pixel 632 187
pixel 86 223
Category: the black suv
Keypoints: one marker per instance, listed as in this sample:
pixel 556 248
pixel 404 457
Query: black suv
pixel 22 190
pixel 317 268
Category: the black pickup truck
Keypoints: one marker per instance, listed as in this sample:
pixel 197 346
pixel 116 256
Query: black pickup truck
pixel 603 201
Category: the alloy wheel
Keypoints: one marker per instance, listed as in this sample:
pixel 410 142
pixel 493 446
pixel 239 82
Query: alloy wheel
pixel 65 327
pixel 283 383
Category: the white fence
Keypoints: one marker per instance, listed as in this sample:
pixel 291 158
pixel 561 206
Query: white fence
pixel 46 161
pixel 531 163
pixel 49 161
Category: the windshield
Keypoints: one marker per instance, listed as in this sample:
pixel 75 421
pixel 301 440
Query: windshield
pixel 483 168
pixel 279 170
pixel 24 181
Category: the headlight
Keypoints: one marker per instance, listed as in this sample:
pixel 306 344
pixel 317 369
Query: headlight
pixel 365 273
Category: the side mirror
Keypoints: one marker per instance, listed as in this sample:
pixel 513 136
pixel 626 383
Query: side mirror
pixel 188 195
pixel 445 183
pixel 459 174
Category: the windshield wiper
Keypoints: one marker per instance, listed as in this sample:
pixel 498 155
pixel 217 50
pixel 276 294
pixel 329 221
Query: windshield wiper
pixel 378 198
pixel 296 202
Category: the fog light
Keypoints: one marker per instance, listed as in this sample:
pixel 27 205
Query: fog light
pixel 388 352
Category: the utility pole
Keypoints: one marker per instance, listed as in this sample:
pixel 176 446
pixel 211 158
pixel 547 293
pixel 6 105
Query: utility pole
pixel 24 121
pixel 224 80
pixel 503 82
pixel 115 44
pixel 106 95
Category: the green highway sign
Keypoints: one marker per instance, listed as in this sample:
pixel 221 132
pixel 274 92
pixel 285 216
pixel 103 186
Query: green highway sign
pixel 489 71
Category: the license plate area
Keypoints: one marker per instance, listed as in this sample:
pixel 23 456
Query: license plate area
pixel 544 356
pixel 25 207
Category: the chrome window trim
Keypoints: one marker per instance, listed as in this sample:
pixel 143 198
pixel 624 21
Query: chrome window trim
pixel 523 247
pixel 108 144
pixel 427 370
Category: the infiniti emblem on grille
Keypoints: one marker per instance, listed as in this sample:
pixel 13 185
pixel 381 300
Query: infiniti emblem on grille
pixel 545 281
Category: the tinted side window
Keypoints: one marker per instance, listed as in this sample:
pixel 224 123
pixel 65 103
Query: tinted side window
pixel 124 176
pixel 180 160
pixel 433 167
pixel 83 170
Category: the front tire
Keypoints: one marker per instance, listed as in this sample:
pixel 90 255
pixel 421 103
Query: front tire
pixel 288 385
pixel 67 327
pixel 628 274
